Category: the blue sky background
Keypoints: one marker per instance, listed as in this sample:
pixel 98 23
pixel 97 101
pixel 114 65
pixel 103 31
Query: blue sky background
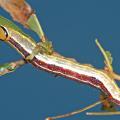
pixel 72 26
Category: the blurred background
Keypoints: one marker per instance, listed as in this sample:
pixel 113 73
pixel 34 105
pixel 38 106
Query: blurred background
pixel 72 26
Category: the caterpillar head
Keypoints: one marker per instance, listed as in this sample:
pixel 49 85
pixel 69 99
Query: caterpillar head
pixel 3 33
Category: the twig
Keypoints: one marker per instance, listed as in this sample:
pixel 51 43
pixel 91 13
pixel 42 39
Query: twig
pixel 75 112
pixel 103 113
pixel 11 67
pixel 116 76
pixel 107 61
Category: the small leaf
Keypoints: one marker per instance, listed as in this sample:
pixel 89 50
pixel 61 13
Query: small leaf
pixel 109 55
pixel 46 47
pixel 34 25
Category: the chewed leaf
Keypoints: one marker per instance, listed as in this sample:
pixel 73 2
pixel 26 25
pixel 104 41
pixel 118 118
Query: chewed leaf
pixel 109 55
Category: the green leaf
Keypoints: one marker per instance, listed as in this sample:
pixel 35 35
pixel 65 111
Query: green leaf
pixel 109 55
pixel 35 26
pixel 7 23
pixel 10 24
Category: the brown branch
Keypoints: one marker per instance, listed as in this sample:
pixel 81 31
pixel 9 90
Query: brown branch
pixel 18 9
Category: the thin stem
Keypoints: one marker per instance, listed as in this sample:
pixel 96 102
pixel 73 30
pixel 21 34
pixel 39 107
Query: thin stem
pixel 103 113
pixel 75 112
pixel 11 67
pixel 105 56
pixel 115 76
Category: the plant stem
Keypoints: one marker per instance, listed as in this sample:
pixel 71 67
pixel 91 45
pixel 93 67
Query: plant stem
pixel 103 113
pixel 75 112
pixel 105 56
pixel 11 67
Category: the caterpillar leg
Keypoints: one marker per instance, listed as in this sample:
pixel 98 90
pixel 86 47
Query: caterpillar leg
pixel 41 47
pixel 35 51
